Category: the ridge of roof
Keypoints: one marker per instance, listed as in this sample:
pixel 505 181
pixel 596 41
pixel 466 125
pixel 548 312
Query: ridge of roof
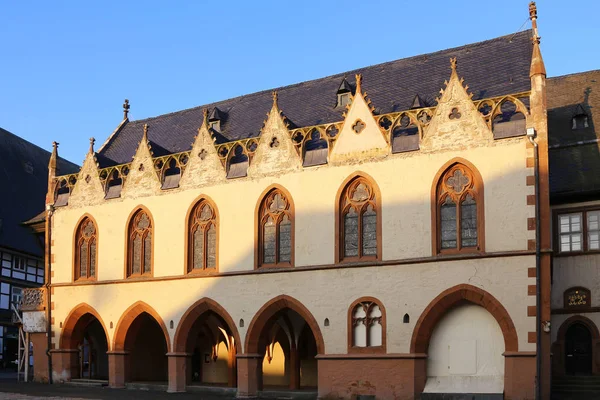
pixel 588 72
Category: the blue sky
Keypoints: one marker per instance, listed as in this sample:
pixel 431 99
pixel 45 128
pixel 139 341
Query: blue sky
pixel 67 66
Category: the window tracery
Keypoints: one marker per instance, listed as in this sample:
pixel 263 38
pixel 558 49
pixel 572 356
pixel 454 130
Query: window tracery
pixel 202 240
pixel 458 210
pixel 140 245
pixel 275 230
pixel 85 250
pixel 359 221
pixel 367 326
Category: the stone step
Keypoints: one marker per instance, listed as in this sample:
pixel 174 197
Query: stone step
pixel 87 382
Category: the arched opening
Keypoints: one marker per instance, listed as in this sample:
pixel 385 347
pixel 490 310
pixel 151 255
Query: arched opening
pixel 208 334
pixel 287 339
pixel 147 349
pixel 464 331
pixel 144 338
pixel 578 350
pixel 84 331
pixel 575 350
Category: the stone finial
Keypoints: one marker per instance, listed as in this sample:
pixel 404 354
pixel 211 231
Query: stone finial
pixel 358 83
pixel 92 141
pixel 205 114
pixel 275 97
pixel 453 64
pixel 145 137
pixel 126 109
pixel 53 156
pixel 532 11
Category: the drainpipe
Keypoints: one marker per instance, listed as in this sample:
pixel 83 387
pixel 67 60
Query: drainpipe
pixel 49 213
pixel 538 317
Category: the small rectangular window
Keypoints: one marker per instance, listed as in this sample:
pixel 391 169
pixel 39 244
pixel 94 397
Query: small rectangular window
pixel 16 295
pixel 570 230
pixel 19 263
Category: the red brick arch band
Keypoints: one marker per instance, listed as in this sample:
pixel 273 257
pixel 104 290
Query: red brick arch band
pixel 272 307
pixel 129 316
pixel 450 298
pixel 199 308
pixel 75 324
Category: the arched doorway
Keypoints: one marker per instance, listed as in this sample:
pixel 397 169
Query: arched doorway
pixel 209 335
pixel 286 339
pixel 578 350
pixel 460 325
pixel 84 331
pixel 142 335
pixel 576 347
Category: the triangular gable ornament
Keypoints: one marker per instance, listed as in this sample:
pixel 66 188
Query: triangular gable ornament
pixel 276 152
pixel 456 122
pixel 142 179
pixel 360 136
pixel 88 190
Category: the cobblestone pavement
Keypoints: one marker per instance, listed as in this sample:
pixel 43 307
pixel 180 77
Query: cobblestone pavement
pixel 12 390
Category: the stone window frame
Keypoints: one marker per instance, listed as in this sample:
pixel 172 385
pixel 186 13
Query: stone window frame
pixel 584 230
pixel 440 191
pixel 189 255
pixel 129 246
pixel 367 349
pixel 343 208
pixel 77 238
pixel 261 214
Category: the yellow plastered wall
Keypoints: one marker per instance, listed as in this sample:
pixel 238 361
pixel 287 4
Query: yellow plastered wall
pixel 405 182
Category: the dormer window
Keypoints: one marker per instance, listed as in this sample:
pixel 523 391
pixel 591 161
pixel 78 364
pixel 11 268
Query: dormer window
pixel 214 120
pixel 344 94
pixel 343 99
pixel 580 119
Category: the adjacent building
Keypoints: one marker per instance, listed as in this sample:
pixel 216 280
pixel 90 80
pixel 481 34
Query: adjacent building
pixel 24 181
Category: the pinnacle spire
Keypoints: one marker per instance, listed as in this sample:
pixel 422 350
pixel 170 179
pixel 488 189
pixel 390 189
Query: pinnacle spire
pixel 145 136
pixel 126 109
pixel 358 83
pixel 537 62
pixel 92 141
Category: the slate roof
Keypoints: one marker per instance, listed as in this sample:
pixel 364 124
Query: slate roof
pixel 24 181
pixel 491 68
pixel 574 155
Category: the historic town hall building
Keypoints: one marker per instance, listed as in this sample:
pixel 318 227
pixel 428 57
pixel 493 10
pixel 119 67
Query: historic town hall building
pixel 372 235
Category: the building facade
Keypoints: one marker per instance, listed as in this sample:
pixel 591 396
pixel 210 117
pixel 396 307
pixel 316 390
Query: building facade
pixel 575 199
pixel 374 235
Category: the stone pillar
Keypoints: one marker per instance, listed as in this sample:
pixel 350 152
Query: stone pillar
pixel 178 365
pixel 249 375
pixel 294 369
pixel 40 359
pixel 519 375
pixel 117 368
pixel 64 364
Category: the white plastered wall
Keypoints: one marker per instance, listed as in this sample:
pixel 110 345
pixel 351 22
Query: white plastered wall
pixel 465 353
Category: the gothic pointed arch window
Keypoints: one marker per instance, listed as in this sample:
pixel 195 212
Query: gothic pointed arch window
pixel 202 237
pixel 359 221
pixel 276 230
pixel 86 244
pixel 140 244
pixel 458 210
pixel 366 326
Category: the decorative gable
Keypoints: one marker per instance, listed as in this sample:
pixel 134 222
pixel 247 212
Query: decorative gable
pixel 275 152
pixel 360 136
pixel 204 166
pixel 142 179
pixel 88 190
pixel 456 122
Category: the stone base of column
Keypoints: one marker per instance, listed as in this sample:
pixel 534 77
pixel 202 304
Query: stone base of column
pixel 40 361
pixel 519 375
pixel 117 368
pixel 248 373
pixel 178 374
pixel 64 364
